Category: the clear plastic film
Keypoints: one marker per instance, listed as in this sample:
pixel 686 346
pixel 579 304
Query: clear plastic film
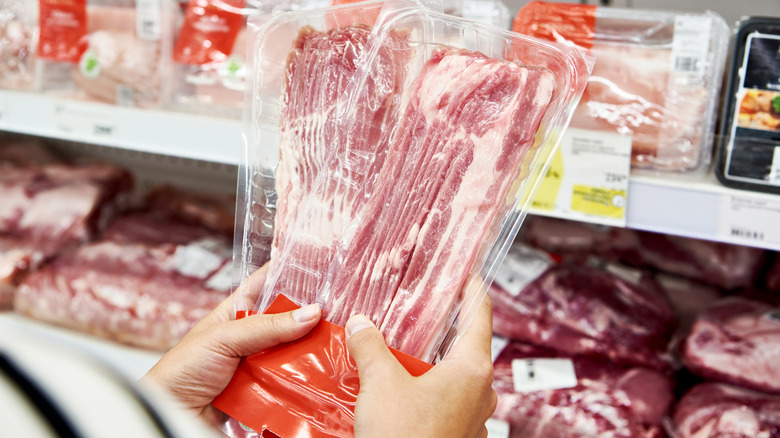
pixel 657 76
pixel 391 156
pixel 18 43
pixel 112 51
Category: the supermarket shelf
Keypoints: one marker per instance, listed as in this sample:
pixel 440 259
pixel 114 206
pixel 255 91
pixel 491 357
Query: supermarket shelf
pixel 131 362
pixel 703 209
pixel 161 132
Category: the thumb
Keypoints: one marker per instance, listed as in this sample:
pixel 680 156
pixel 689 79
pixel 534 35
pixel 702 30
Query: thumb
pixel 367 346
pixel 246 336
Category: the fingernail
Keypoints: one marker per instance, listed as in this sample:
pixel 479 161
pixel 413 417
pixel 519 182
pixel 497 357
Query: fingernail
pixel 306 314
pixel 357 323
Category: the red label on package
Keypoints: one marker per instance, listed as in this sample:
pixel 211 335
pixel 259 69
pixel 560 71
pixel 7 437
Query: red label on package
pixel 63 25
pixel 557 22
pixel 209 31
pixel 307 387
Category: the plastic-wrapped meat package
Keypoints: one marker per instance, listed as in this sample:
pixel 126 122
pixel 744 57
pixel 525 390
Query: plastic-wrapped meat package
pixel 736 340
pixel 580 309
pixel 773 275
pixel 47 208
pixel 712 410
pixel 542 394
pixel 112 51
pixel 688 298
pixel 216 212
pixel 145 282
pixel 564 237
pixel 18 39
pixel 390 182
pixel 657 76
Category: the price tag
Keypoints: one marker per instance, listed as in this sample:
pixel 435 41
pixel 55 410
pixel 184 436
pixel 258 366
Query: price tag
pixel 497 428
pixel 521 266
pixel 148 19
pixel 497 345
pixel 750 220
pixel 84 121
pixel 588 180
pixel 690 44
pixel 541 374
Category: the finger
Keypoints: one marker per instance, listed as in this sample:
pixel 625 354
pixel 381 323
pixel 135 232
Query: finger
pixel 475 342
pixel 244 297
pixel 483 433
pixel 368 348
pixel 255 333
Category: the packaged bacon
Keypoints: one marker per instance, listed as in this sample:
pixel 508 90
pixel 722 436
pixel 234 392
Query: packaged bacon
pixel 18 40
pixel 389 165
pixel 656 79
pixel 112 51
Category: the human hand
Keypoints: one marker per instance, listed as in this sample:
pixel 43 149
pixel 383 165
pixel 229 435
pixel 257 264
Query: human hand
pixel 453 399
pixel 200 366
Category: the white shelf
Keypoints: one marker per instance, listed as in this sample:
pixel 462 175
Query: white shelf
pixel 130 362
pixel 162 132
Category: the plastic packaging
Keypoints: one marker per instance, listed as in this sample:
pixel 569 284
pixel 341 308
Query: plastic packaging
pixel 365 105
pixel 18 41
pixel 749 155
pixel 716 409
pixel 542 394
pixel 657 76
pixel 112 51
pixel 594 308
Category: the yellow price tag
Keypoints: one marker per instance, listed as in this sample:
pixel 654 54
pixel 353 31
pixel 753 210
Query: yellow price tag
pixel 598 201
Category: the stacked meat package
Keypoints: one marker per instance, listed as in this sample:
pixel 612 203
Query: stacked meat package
pixel 724 353
pixel 18 39
pixel 392 151
pixel 112 51
pixel 48 205
pixel 656 79
pixel 147 280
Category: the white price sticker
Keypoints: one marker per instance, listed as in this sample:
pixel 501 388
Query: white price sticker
pixel 497 428
pixel 84 120
pixel 497 345
pixel 691 44
pixel 750 220
pixel 541 374
pixel 521 266
pixel 148 19
pixel 588 180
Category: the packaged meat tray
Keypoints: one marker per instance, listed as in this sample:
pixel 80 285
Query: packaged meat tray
pixel 47 208
pixel 18 40
pixel 749 155
pixel 657 76
pixel 145 282
pixel 719 410
pixel 593 309
pixel 736 341
pixel 424 131
pixel 111 51
pixel 542 394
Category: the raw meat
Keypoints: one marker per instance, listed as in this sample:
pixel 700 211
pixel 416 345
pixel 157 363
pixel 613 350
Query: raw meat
pixel 688 298
pixel 17 51
pixel 773 275
pixel 45 209
pixel 313 139
pixel 145 283
pixel 22 151
pixel 578 309
pixel 608 401
pixel 209 210
pixel 736 341
pixel 457 149
pixel 713 410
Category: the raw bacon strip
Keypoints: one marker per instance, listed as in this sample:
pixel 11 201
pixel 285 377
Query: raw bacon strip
pixel 468 125
pixel 313 137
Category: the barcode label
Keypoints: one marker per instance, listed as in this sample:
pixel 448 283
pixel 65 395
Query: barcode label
pixel 125 95
pixel 531 375
pixel 148 16
pixel 521 266
pixel 691 43
pixel 747 234
pixel 750 219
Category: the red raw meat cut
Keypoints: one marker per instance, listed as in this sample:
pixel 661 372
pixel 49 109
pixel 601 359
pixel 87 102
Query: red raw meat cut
pixel 45 209
pixel 312 139
pixel 457 149
pixel 578 309
pixel 146 282
pixel 773 275
pixel 24 151
pixel 606 401
pixel 736 341
pixel 688 298
pixel 208 210
pixel 717 410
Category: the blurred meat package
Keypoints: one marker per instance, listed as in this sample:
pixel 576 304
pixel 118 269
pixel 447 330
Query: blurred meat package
pixel 711 410
pixel 542 394
pixel 736 341
pixel 583 309
pixel 657 76
pixel 112 51
pixel 17 44
pixel 145 282
pixel 47 206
